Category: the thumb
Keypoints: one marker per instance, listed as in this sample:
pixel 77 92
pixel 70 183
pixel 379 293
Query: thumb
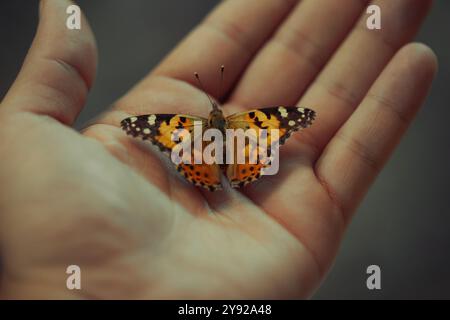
pixel 59 68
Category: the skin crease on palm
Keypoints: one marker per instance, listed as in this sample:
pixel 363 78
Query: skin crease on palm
pixel 115 207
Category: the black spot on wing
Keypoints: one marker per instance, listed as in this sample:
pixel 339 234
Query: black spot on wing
pixel 259 123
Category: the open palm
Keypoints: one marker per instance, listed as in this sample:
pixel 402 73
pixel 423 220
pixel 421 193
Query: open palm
pixel 113 206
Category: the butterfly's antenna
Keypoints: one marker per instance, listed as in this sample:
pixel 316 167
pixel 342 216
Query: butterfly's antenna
pixel 222 71
pixel 214 105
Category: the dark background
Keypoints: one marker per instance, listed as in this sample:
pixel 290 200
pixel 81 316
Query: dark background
pixel 403 225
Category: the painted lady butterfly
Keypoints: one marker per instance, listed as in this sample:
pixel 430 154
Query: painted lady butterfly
pixel 158 128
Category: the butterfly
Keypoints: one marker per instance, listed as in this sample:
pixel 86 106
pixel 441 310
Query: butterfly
pixel 159 129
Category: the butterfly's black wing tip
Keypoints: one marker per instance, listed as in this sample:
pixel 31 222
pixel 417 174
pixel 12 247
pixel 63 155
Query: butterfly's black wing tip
pixel 308 116
pixel 125 124
pixel 311 114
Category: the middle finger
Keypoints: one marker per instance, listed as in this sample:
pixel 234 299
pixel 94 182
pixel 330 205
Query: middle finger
pixel 296 53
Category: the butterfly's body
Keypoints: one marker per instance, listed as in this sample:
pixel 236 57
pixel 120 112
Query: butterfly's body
pixel 216 119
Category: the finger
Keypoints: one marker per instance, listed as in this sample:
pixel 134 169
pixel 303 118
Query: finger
pixel 59 68
pixel 230 35
pixel 292 58
pixel 360 148
pixel 345 80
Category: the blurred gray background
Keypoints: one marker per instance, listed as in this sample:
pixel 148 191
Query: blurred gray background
pixel 404 223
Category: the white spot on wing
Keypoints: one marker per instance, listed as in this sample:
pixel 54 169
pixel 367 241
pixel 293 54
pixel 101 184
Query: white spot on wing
pixel 146 131
pixel 283 112
pixel 291 123
pixel 133 119
pixel 151 119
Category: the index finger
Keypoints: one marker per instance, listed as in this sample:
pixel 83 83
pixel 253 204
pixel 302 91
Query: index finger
pixel 230 36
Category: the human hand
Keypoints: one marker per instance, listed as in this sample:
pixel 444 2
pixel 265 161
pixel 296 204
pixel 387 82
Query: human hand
pixel 109 204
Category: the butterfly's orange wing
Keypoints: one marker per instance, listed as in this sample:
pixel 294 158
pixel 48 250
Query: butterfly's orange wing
pixel 202 175
pixel 158 128
pixel 285 119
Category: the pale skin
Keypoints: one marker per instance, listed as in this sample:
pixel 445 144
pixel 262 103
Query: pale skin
pixel 107 203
